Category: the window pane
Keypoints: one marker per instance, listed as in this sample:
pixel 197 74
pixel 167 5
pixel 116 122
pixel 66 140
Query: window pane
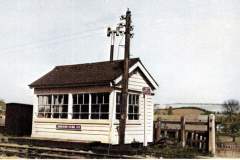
pixel 80 99
pixel 95 111
pixel 55 99
pixel 130 109
pixel 130 99
pixel 40 115
pixel 40 108
pixel 55 115
pixel 76 109
pixel 94 98
pixel 95 116
pixel 60 99
pixel 39 100
pixel 117 116
pixel 65 108
pixel 84 109
pixel 55 111
pixel 84 116
pixel 136 116
pixel 104 116
pixel 49 99
pixel 47 109
pixel 95 108
pixel 64 111
pixel 104 108
pixel 130 116
pixel 106 98
pixel 65 99
pixel 75 99
pixel 100 98
pixel 47 114
pixel 136 109
pixel 137 99
pixel 86 98
pixel 118 109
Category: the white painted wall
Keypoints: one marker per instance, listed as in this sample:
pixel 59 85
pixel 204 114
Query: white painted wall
pixel 135 128
pixel 101 130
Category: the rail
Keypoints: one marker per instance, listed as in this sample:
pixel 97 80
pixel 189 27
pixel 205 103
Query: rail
pixel 26 151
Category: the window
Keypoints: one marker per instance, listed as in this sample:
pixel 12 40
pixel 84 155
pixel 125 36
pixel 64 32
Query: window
pixel 60 106
pixel 44 106
pixel 133 107
pixel 118 102
pixel 100 106
pixel 80 106
pixel 55 106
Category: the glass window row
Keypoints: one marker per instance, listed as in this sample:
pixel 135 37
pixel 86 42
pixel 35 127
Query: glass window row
pixel 56 106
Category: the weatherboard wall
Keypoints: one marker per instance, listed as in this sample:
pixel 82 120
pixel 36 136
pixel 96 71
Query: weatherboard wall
pixel 105 131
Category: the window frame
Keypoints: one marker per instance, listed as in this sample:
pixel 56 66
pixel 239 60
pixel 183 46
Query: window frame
pixel 136 103
pixel 118 113
pixel 99 106
pixel 81 105
pixel 51 113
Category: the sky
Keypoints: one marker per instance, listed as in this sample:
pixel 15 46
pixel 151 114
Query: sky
pixel 191 47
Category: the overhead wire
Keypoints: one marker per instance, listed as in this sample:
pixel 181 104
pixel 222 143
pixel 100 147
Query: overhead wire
pixel 54 40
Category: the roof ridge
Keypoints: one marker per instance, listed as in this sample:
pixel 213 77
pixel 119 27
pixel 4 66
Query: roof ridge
pixel 71 65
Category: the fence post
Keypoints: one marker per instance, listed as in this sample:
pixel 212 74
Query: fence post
pixel 191 141
pixel 211 134
pixel 200 142
pixel 176 135
pixel 183 136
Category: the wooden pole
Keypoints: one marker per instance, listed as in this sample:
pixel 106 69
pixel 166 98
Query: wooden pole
pixel 211 134
pixel 183 137
pixel 124 94
pixel 191 140
pixel 165 133
pixel 200 143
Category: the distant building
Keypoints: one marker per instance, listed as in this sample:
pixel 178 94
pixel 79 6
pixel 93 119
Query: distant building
pixel 82 102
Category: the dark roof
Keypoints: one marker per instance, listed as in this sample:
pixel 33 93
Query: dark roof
pixel 100 73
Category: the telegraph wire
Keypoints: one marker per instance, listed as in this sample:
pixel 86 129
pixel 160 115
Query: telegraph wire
pixel 51 41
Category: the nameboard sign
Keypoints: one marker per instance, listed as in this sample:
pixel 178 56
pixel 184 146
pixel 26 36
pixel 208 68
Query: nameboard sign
pixel 72 127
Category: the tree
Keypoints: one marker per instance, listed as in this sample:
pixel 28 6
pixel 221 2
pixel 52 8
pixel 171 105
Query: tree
pixel 170 110
pixel 231 107
pixel 232 129
pixel 2 106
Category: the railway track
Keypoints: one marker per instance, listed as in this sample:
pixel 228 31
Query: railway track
pixel 25 151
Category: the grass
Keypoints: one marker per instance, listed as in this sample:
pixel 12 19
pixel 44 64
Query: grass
pixel 225 138
pixel 174 152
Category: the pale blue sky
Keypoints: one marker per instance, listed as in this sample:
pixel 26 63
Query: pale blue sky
pixel 191 47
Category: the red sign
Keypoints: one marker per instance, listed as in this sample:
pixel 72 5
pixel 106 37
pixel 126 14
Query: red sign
pixel 146 91
pixel 68 127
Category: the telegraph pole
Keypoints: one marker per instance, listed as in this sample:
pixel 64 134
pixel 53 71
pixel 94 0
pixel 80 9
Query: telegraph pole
pixel 124 94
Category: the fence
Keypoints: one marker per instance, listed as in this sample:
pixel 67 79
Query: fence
pixel 228 149
pixel 196 132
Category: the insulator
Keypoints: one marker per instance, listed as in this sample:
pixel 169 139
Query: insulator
pixel 131 35
pixel 108 31
pixel 121 25
pixel 131 28
pixel 122 17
